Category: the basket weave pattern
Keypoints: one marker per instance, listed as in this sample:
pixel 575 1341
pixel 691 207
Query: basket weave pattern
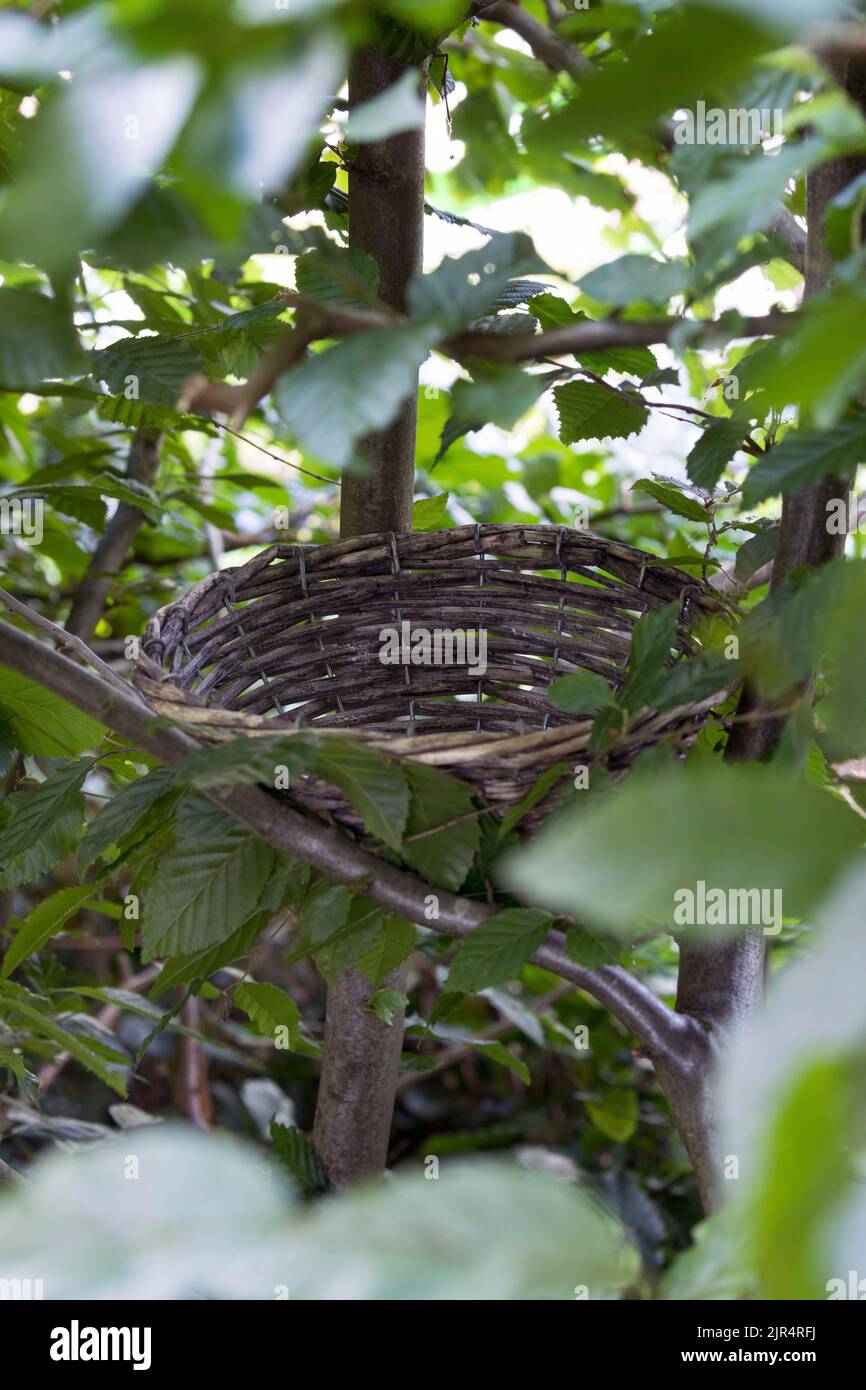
pixel 293 639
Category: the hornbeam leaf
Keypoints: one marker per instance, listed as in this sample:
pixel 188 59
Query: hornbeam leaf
pixel 121 814
pixel 806 456
pixel 335 398
pixel 588 410
pixel 45 921
pixel 42 723
pixel 42 826
pixel 496 951
pixel 206 887
pixel 270 1009
pixel 38 339
pixel 466 288
pixel 713 452
pixel 780 835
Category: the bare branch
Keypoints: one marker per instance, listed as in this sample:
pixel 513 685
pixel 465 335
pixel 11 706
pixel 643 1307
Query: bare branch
pixel 547 46
pixel 114 546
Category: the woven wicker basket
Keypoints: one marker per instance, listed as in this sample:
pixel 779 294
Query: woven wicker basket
pixel 294 639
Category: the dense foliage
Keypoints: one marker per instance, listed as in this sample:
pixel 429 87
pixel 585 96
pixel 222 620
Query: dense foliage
pixel 174 201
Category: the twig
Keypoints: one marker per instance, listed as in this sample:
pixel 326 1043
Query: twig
pixel 66 641
pixel 114 546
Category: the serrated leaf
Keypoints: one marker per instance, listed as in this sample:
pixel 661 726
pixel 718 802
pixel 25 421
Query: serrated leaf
pixel 38 339
pixel 87 1052
pixel 756 552
pixel 349 277
pixel 42 826
pixel 154 368
pixel 713 452
pixel 653 640
pixel 588 410
pixel 334 398
pixel 632 278
pixel 295 1151
pixel 672 498
pixel 205 889
pixel 42 723
pixel 497 950
pixel 385 1003
pixel 586 948
pixel 43 922
pixel 806 456
pixel 465 288
pixel 498 397
pixel 553 312
pixel 391 945
pixel 442 856
pixel 121 814
pixel 375 785
pixel 200 965
pixel 271 1009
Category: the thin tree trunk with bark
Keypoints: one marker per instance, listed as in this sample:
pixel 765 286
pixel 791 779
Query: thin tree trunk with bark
pixel 386 219
pixel 720 985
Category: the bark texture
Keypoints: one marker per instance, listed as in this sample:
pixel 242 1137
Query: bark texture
pixel 720 985
pixel 386 219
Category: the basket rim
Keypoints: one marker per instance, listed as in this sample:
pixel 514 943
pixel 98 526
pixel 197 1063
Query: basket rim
pixel 515 541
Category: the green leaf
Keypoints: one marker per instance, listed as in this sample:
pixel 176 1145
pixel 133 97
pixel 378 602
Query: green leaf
pixel 588 410
pixel 653 640
pixel 271 1009
pixel 43 922
pixel 43 825
pixel 497 950
pixel 806 456
pixel 87 1052
pixel 616 1115
pixel 150 369
pixel 499 397
pixel 323 914
pixel 779 835
pixel 672 498
pixel 553 312
pixel 206 887
pixel 496 1051
pixel 637 278
pixel 38 340
pixel 464 289
pixel 394 940
pixel 243 761
pixel 335 398
pixel 385 1003
pixel 442 856
pixel 42 723
pixel 375 785
pixel 588 949
pixel 713 452
pixel 430 513
pixel 200 965
pixel 537 792
pixel 580 692
pixel 348 277
pixel 295 1151
pixel 756 552
pixel 122 814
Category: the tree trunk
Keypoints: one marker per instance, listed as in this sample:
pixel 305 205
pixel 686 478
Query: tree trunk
pixel 720 985
pixel 386 219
